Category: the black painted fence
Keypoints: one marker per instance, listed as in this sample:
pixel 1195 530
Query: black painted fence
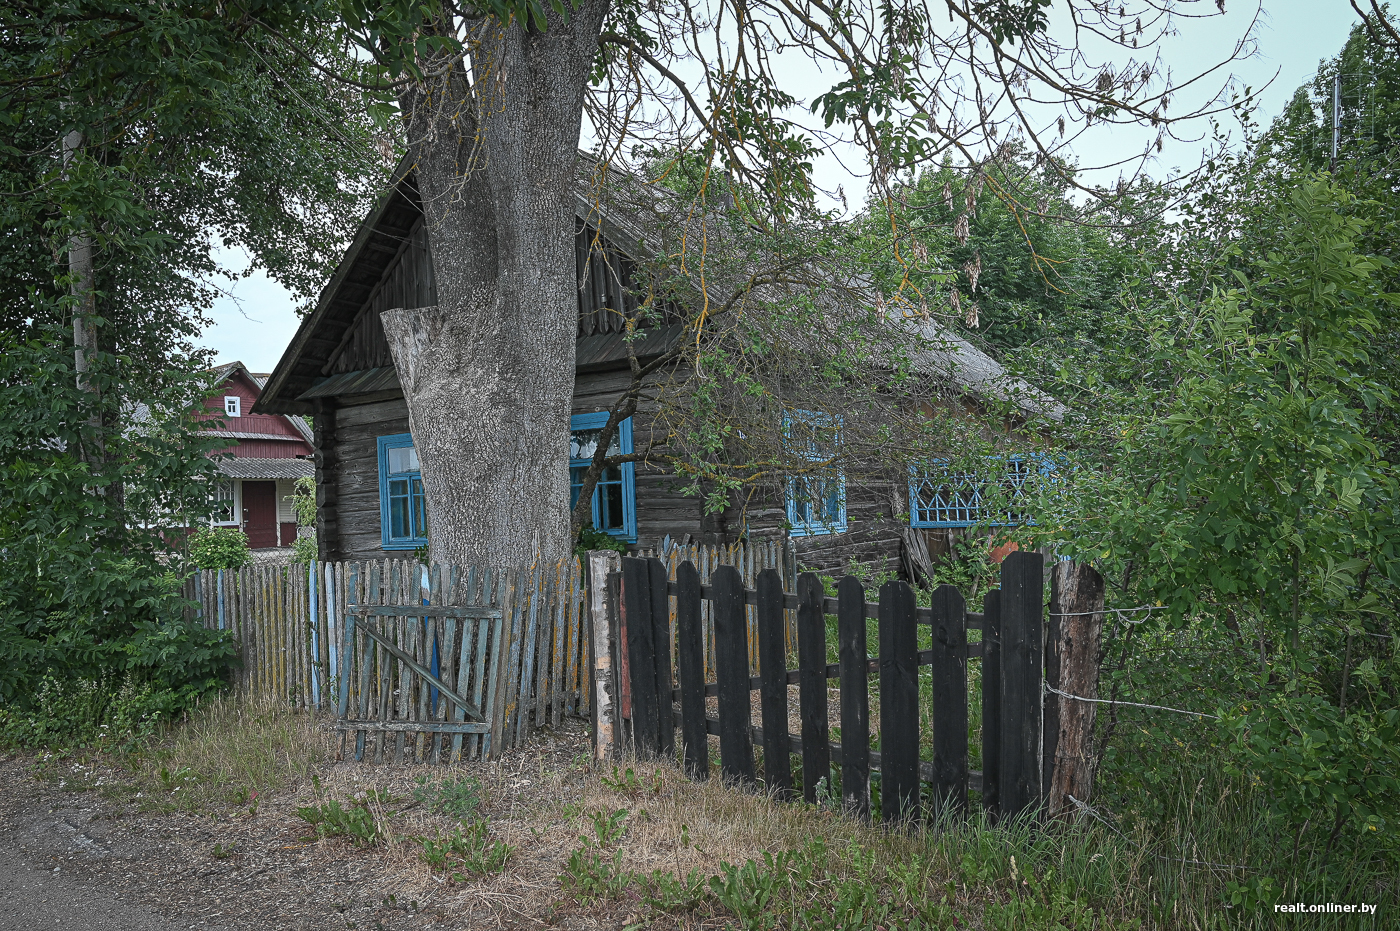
pixel 1010 652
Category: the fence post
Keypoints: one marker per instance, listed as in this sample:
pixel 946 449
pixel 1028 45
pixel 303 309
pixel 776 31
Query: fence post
pixel 602 647
pixel 1072 654
pixel 1022 603
pixel 732 673
pixel 899 703
pixel 772 667
pixel 661 645
pixel 812 684
pixel 641 654
pixel 690 663
pixel 991 702
pixel 949 699
pixel 855 699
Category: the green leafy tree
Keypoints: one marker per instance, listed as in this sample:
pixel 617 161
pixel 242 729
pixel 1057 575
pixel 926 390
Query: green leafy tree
pixel 136 139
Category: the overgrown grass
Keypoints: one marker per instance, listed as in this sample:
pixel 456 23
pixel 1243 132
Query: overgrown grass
pixel 1207 860
pixel 228 751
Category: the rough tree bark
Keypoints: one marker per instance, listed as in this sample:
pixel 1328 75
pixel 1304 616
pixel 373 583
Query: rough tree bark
pixel 488 373
pixel 1073 652
pixel 80 267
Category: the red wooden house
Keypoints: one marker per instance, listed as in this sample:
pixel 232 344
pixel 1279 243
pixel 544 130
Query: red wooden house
pixel 270 452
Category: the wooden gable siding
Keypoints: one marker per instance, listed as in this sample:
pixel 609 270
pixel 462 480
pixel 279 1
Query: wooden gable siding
pixel 604 275
pixel 407 282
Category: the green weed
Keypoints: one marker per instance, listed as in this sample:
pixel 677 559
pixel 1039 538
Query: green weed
pixel 356 822
pixel 456 798
pixel 469 850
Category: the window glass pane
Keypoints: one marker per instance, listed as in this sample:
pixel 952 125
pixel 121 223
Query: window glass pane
pixel 610 506
pixel 223 502
pixel 584 443
pixel 420 511
pixel 403 459
pixel 575 485
pixel 398 517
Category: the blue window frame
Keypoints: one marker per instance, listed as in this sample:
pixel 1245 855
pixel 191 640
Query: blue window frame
pixel 615 494
pixel 816 500
pixel 941 496
pixel 403 513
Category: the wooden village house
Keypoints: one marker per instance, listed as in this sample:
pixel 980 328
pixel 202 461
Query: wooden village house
pixel 338 369
pixel 265 455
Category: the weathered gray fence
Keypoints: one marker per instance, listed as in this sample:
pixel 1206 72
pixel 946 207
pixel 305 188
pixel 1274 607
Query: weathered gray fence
pixel 295 630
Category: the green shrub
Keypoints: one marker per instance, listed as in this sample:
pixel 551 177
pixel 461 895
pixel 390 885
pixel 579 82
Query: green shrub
pixel 590 538
pixel 304 550
pixel 220 548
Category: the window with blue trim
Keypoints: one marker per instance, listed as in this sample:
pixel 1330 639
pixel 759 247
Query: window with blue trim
pixel 403 513
pixel 942 496
pixel 614 496
pixel 816 500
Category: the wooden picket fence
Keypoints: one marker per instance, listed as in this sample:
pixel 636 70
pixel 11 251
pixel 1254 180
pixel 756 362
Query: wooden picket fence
pixel 292 624
pixel 519 653
pixel 657 608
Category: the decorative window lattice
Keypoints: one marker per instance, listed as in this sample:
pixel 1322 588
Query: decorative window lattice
pixel 941 496
pixel 816 501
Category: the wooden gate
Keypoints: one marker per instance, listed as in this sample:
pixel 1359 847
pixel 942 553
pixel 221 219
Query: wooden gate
pixel 909 766
pixel 416 680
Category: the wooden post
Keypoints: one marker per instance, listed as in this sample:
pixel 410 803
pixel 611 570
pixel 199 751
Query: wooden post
pixel 899 703
pixel 991 702
pixel 949 699
pixel 641 654
pixel 661 643
pixel 1022 604
pixel 772 664
pixel 732 674
pixel 690 660
pixel 602 644
pixel 811 661
pixel 1072 655
pixel 855 700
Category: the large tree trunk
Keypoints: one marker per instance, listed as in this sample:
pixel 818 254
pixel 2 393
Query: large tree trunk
pixel 1073 653
pixel 488 373
pixel 80 269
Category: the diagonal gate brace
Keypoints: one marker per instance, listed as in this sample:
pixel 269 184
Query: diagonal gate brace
pixel 470 710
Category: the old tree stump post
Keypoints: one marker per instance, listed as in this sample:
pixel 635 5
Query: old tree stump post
pixel 1073 650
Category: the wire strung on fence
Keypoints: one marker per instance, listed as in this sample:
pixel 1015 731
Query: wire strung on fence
pixel 1129 704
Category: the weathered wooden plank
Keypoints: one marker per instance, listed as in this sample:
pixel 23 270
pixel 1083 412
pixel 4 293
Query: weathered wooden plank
pixel 855 699
pixel 661 645
pixel 690 662
pixel 732 668
pixel 812 679
pixel 641 655
pixel 400 727
pixel 899 704
pixel 949 700
pixel 1022 591
pixel 772 659
pixel 409 610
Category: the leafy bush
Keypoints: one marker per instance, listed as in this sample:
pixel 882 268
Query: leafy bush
pixel 304 500
pixel 220 548
pixel 590 538
pixel 304 550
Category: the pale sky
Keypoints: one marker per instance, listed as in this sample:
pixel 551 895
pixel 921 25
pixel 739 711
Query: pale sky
pixel 255 324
